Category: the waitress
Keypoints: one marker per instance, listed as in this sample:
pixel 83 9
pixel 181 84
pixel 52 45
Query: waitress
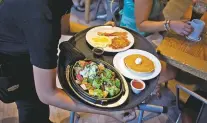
pixel 30 31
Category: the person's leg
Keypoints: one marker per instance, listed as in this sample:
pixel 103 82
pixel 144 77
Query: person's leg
pixel 30 108
pixel 32 111
pixel 167 73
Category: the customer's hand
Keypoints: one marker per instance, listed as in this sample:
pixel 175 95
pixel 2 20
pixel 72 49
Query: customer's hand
pixel 181 27
pixel 110 23
pixel 124 116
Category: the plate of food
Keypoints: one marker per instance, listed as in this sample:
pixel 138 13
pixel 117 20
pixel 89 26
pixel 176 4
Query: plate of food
pixel 137 64
pixel 111 39
pixel 97 81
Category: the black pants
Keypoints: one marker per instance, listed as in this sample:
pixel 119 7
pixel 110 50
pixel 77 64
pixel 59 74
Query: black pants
pixel 30 108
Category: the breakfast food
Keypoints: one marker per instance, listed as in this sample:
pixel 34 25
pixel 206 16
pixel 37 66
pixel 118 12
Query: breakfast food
pixel 96 79
pixel 119 42
pixel 101 41
pixel 119 34
pixel 139 63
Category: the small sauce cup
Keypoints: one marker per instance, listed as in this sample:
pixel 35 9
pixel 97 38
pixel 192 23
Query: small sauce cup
pixel 97 52
pixel 137 86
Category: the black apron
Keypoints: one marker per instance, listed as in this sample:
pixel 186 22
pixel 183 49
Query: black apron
pixel 15 76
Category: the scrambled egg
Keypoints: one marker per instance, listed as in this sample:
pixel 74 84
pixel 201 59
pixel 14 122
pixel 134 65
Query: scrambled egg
pixel 101 41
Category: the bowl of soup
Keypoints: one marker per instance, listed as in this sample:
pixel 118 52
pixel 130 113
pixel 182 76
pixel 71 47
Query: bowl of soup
pixel 137 86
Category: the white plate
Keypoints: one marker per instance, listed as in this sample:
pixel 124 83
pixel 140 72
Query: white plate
pixel 119 64
pixel 109 29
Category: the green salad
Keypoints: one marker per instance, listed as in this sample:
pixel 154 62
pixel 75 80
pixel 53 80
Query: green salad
pixel 96 79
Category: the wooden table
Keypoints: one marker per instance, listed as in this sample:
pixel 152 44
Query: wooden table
pixel 185 55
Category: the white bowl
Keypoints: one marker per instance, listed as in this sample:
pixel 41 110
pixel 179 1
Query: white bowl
pixel 135 90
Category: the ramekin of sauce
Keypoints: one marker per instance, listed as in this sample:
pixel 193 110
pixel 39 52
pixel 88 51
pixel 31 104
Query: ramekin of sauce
pixel 137 86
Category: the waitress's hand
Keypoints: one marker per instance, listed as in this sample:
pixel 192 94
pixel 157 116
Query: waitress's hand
pixel 181 27
pixel 123 116
pixel 110 23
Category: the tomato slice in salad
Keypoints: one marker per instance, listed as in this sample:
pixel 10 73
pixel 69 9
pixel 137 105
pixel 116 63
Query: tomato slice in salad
pixel 79 77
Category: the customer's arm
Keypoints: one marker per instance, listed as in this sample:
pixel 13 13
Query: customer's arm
pixel 142 13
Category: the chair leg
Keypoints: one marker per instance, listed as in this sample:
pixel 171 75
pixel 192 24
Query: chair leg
pixel 179 117
pixel 72 117
pixel 77 117
pixel 141 113
pixel 166 84
pixel 201 110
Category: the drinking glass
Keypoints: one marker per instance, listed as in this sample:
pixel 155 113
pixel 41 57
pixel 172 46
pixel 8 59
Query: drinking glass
pixel 199 8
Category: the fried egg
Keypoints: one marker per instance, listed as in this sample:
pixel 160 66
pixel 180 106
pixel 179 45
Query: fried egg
pixel 101 41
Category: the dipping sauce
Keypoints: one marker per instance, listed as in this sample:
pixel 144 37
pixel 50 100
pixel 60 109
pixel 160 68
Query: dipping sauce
pixel 97 52
pixel 137 84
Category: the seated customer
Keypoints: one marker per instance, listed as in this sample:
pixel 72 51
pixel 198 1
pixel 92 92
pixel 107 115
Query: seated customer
pixel 145 17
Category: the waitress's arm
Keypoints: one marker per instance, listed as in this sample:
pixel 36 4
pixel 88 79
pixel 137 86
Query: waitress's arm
pixel 142 12
pixel 48 93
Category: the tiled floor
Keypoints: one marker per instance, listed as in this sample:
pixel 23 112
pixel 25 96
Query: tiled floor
pixel 8 112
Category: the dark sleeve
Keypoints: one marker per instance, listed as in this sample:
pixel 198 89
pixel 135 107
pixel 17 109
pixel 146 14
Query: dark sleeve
pixel 42 33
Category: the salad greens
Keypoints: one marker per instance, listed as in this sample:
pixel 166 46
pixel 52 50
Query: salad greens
pixel 97 80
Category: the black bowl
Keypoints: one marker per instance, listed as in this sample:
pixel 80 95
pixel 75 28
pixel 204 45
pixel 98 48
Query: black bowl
pixel 97 100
